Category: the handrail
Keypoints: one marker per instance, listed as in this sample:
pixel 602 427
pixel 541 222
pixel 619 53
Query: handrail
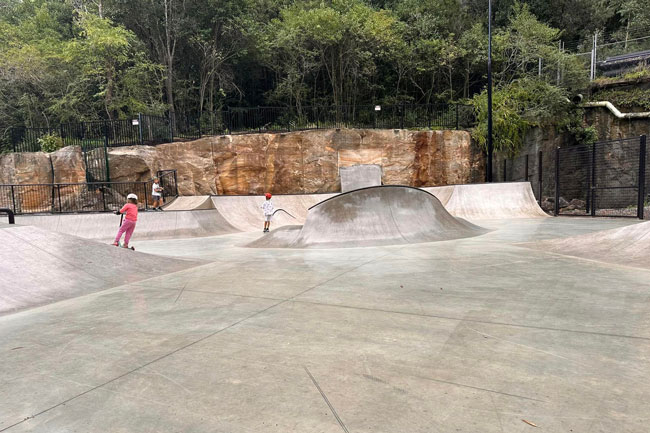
pixel 10 214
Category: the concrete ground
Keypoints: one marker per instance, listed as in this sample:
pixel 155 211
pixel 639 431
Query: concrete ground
pixel 469 335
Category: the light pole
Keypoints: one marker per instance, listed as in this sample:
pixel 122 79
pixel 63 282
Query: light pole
pixel 490 147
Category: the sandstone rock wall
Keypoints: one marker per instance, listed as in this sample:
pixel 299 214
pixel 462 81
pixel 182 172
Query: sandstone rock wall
pixel 63 166
pixel 303 162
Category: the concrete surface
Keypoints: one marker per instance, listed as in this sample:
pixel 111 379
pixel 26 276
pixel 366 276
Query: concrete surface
pixel 194 202
pixel 380 215
pixel 629 245
pixel 245 212
pixel 229 214
pixel 489 201
pixel 39 267
pixel 359 176
pixel 470 335
pixel 151 225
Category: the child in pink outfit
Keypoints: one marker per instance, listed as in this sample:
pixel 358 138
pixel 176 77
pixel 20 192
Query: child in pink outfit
pixel 128 225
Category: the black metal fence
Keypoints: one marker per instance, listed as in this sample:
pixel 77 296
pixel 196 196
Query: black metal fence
pixel 603 179
pixel 523 168
pixel 151 130
pixel 82 197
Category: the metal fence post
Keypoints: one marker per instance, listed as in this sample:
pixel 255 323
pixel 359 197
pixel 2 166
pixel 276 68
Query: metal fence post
pixel 642 162
pixel 456 116
pixel 175 183
pixel 108 172
pixel 505 170
pixel 52 203
pixel 103 189
pixel 556 212
pixel 593 180
pixel 146 198
pixel 140 128
pixel 58 191
pixel 539 176
pixel 199 120
pixel 13 198
pixel 526 168
pixel 401 118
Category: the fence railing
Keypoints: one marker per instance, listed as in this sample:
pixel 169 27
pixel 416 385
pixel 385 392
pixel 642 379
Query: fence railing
pixel 607 178
pixel 82 197
pixel 151 130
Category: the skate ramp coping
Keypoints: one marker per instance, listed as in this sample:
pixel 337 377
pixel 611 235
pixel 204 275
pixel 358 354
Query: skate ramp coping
pixel 383 215
pixel 194 202
pixel 629 246
pixel 151 225
pixel 359 176
pixel 489 200
pixel 39 267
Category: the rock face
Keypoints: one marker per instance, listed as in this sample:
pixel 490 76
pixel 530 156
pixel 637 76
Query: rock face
pixel 63 166
pixel 303 162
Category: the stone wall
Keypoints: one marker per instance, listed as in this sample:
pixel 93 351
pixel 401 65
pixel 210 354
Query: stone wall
pixel 303 162
pixel 610 127
pixel 63 166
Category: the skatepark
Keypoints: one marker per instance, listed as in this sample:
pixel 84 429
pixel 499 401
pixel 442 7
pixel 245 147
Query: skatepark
pixel 390 309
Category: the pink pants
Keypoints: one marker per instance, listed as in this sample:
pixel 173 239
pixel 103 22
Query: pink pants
pixel 127 227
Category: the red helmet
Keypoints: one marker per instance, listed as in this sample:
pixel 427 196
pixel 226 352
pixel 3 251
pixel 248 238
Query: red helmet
pixel 268 195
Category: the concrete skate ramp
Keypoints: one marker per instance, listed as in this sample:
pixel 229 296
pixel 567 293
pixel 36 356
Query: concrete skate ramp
pixel 442 193
pixel 194 202
pixel 151 225
pixel 38 267
pixel 493 201
pixel 359 176
pixel 384 215
pixel 245 212
pixel 628 246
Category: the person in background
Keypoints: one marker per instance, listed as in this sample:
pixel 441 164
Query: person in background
pixel 267 208
pixel 128 225
pixel 156 194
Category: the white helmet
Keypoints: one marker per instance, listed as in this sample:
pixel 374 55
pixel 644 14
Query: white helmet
pixel 132 196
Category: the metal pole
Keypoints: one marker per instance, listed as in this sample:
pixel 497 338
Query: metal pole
pixel 593 180
pixel 539 176
pixel 490 146
pixel 456 116
pixel 146 199
pixel 505 170
pixel 13 199
pixel 58 191
pixel 108 172
pixel 556 212
pixel 140 127
pixel 642 155
pixel 526 169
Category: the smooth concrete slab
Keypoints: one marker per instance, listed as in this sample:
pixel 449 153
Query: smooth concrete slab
pixel 193 202
pixel 150 225
pixel 380 215
pixel 476 335
pixel 39 267
pixel 245 212
pixel 360 176
pixel 477 202
pixel 628 245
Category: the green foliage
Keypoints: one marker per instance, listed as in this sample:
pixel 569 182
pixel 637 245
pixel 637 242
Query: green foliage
pixel 50 143
pixel 635 98
pixel 517 107
pixel 63 60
